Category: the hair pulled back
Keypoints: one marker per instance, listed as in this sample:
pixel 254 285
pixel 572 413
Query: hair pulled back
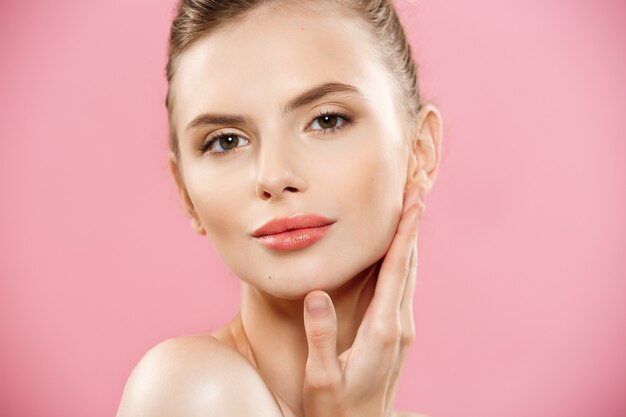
pixel 197 18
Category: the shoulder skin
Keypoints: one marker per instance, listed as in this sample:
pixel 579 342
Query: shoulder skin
pixel 195 376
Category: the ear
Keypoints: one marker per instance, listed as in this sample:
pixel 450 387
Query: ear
pixel 182 191
pixel 425 152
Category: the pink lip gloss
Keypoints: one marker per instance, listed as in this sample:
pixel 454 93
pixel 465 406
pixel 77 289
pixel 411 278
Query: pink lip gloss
pixel 294 239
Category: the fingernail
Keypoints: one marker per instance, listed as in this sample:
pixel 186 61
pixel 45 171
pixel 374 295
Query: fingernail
pixel 317 305
pixel 409 197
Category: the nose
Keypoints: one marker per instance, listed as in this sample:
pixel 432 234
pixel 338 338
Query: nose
pixel 277 176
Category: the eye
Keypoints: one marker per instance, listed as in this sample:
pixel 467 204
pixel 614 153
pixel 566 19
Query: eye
pixel 328 122
pixel 223 143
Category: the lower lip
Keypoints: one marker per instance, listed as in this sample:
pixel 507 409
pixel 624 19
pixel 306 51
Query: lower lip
pixel 294 239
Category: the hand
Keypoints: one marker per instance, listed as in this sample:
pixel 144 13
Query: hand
pixel 362 381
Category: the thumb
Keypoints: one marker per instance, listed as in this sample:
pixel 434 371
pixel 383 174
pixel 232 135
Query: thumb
pixel 320 323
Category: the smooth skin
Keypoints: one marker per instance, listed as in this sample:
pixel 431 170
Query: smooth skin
pixel 369 171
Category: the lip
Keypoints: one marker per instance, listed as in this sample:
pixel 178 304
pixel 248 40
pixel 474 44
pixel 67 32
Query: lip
pixel 293 232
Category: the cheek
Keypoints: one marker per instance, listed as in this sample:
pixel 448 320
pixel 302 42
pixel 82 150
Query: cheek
pixel 378 183
pixel 371 195
pixel 380 197
pixel 218 200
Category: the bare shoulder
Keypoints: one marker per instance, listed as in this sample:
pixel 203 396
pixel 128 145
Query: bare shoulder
pixel 195 376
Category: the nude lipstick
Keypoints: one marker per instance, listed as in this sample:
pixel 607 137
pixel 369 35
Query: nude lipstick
pixel 294 232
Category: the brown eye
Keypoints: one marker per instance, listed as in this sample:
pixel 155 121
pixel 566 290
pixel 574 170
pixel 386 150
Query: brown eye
pixel 224 143
pixel 329 122
pixel 228 142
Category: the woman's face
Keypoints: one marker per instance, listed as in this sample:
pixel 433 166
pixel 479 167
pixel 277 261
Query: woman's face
pixel 291 147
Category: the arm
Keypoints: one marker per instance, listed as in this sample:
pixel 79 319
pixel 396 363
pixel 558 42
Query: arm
pixel 195 376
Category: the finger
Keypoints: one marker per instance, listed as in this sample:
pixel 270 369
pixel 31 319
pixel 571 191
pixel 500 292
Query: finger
pixel 406 305
pixel 394 377
pixel 395 268
pixel 414 196
pixel 408 323
pixel 406 315
pixel 320 323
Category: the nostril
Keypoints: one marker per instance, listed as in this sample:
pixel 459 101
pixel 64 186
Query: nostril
pixel 292 189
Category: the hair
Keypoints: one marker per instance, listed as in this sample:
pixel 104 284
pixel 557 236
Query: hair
pixel 197 18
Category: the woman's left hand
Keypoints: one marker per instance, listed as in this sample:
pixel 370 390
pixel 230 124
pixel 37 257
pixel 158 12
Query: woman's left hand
pixel 362 381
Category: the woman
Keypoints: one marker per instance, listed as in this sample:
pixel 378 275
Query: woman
pixel 301 148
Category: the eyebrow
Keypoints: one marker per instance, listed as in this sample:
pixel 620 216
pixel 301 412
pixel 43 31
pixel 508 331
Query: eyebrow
pixel 307 97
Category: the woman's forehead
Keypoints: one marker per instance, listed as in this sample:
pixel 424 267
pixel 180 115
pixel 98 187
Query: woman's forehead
pixel 269 54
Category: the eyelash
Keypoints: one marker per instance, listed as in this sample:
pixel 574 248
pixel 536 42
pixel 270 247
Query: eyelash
pixel 347 121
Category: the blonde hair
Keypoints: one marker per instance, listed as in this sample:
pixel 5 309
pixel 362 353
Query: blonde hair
pixel 197 18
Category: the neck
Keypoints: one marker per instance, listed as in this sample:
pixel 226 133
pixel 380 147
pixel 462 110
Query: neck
pixel 274 330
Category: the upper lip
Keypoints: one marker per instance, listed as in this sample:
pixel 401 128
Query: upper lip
pixel 297 221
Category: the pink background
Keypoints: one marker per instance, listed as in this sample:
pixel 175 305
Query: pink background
pixel 521 302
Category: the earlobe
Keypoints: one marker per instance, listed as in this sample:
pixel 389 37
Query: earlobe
pixel 195 224
pixel 184 196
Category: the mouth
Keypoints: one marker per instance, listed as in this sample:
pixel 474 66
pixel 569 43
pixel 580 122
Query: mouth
pixel 295 232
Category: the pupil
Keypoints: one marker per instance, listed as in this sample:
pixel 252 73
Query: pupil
pixel 328 122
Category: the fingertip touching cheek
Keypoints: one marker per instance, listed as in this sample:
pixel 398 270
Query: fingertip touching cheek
pixel 284 118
